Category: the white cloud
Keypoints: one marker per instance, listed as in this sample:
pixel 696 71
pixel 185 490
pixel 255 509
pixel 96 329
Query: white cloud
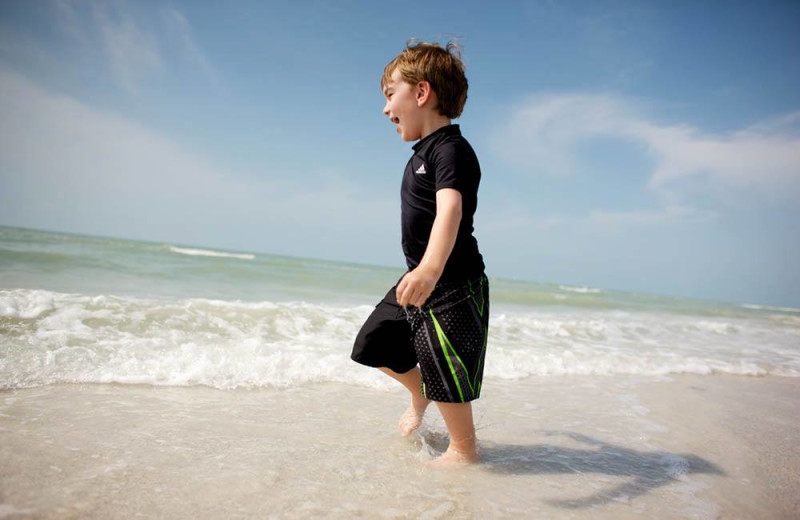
pixel 177 25
pixel 763 157
pixel 542 134
pixel 130 47
pixel 132 52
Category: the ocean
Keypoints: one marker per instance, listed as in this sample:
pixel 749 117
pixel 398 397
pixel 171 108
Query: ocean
pixel 93 323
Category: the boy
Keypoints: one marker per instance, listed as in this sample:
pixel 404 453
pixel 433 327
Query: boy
pixel 429 332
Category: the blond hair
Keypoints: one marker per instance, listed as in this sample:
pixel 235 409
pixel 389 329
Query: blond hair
pixel 440 66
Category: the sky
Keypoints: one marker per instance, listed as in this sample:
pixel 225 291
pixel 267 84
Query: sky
pixel 640 146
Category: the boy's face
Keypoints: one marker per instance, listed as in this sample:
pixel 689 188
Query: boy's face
pixel 402 107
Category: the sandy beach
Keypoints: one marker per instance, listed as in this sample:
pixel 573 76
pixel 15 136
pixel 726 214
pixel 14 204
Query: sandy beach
pixel 554 447
pixel 144 380
pixel 748 427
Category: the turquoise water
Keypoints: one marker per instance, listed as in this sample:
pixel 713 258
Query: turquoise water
pixel 95 309
pixel 98 265
pixel 84 264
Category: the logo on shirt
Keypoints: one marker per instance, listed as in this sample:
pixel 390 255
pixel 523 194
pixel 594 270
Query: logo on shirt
pixel 421 170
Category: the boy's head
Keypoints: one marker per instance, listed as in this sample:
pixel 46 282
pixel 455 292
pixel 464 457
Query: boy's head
pixel 439 67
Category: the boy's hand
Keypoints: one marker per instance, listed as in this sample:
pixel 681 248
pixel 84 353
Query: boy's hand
pixel 416 286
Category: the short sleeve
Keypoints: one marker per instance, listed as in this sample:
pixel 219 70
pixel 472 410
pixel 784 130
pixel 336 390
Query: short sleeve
pixel 454 167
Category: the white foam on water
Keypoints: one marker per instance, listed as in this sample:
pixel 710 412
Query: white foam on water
pixel 580 290
pixel 207 252
pixel 769 308
pixel 76 338
pixel 619 342
pixel 50 337
pixel 26 304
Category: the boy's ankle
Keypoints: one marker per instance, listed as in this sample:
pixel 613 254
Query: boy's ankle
pixel 466 447
pixel 454 455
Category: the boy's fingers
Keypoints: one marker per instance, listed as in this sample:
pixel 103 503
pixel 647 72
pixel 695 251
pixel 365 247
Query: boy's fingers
pixel 399 293
pixel 404 296
pixel 407 295
pixel 412 292
pixel 419 298
pixel 410 296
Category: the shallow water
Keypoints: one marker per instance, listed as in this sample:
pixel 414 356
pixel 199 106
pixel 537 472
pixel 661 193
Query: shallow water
pixel 561 448
pixel 100 310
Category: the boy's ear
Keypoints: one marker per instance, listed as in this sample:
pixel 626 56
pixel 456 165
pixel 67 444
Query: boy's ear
pixel 423 93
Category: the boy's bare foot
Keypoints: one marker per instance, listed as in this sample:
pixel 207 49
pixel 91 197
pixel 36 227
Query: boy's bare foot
pixel 453 457
pixel 412 417
pixel 462 451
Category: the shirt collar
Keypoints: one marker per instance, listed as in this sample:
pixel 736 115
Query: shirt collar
pixel 445 130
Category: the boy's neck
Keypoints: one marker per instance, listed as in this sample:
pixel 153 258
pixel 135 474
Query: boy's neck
pixel 433 123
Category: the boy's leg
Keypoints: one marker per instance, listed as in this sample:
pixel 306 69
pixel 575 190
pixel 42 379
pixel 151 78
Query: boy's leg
pixel 384 341
pixel 412 417
pixel 450 340
pixel 458 418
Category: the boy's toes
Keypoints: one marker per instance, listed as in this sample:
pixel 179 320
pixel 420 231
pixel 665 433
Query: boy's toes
pixel 409 421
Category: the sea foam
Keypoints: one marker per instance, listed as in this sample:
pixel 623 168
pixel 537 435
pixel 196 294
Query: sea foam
pixel 206 252
pixel 49 337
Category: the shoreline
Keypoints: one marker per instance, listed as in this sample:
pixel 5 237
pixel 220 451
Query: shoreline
pixel 608 447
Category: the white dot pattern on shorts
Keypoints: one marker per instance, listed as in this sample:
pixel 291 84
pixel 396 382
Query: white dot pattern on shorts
pixel 463 317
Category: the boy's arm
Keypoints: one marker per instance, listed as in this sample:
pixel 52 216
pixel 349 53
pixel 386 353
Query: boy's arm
pixel 417 285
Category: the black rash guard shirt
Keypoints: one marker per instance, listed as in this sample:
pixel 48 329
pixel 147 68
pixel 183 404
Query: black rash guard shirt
pixel 442 159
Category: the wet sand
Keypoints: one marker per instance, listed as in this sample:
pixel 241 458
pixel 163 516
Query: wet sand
pixel 554 447
pixel 749 426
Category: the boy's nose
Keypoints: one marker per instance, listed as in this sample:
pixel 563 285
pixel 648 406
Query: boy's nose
pixel 386 109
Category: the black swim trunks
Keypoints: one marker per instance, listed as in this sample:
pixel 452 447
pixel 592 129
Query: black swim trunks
pixel 446 337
